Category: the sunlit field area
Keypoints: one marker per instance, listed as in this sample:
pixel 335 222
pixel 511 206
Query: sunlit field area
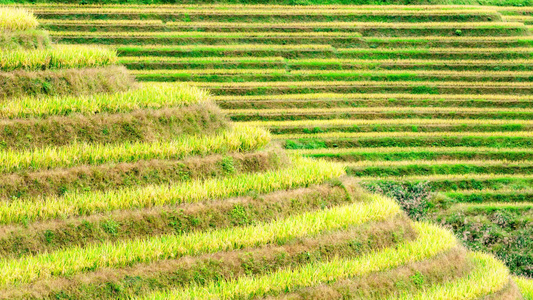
pixel 266 151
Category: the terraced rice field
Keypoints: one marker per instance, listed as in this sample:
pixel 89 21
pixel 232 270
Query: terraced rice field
pixel 397 93
pixel 117 189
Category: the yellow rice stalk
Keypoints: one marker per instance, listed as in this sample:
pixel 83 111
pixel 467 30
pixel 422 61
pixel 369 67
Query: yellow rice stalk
pixel 236 139
pixel 303 172
pixel 58 57
pixel 146 97
pixel 74 260
pixel 12 19
pixel 431 241
pixel 526 286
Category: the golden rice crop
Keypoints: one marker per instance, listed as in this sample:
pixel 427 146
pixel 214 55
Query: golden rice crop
pixel 526 286
pixel 12 19
pixel 77 259
pixel 148 96
pixel 303 172
pixel 236 139
pixel 489 276
pixel 58 57
pixel 431 241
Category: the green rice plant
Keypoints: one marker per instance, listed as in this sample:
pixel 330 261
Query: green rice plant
pixel 430 167
pixel 421 135
pixel 411 139
pixel 418 153
pixel 58 57
pixel 200 34
pixel 239 8
pixel 454 182
pixel 526 286
pixel 413 122
pixel 383 110
pixel 489 207
pixel 100 22
pixel 270 75
pixel 391 125
pixel 431 241
pixel 350 25
pixel 304 173
pixel 419 63
pixel 146 97
pixel 437 53
pixel 236 139
pixel 198 60
pixel 440 51
pixel 391 112
pixel 249 47
pixel 12 19
pixel 428 84
pixel 266 14
pixel 364 164
pixel 491 195
pixel 392 97
pixel 334 151
pixel 78 259
pixel 414 87
pixel 244 50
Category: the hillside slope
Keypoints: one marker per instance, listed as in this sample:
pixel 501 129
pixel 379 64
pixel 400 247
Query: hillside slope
pixel 401 95
pixel 114 189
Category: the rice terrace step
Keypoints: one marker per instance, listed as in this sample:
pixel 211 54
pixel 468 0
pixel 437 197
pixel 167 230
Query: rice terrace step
pixel 266 149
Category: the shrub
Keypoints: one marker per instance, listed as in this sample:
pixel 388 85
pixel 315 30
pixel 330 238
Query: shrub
pixel 413 198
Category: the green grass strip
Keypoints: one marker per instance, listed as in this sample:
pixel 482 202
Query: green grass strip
pixel 503 195
pixel 149 96
pixel 431 241
pixel 437 162
pixel 348 151
pixel 236 139
pixel 488 208
pixel 189 34
pixel 420 135
pixel 526 286
pixel 215 48
pixel 75 260
pixel 303 173
pixel 12 19
pixel 58 57
pixel 351 25
pixel 201 60
pixel 358 96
